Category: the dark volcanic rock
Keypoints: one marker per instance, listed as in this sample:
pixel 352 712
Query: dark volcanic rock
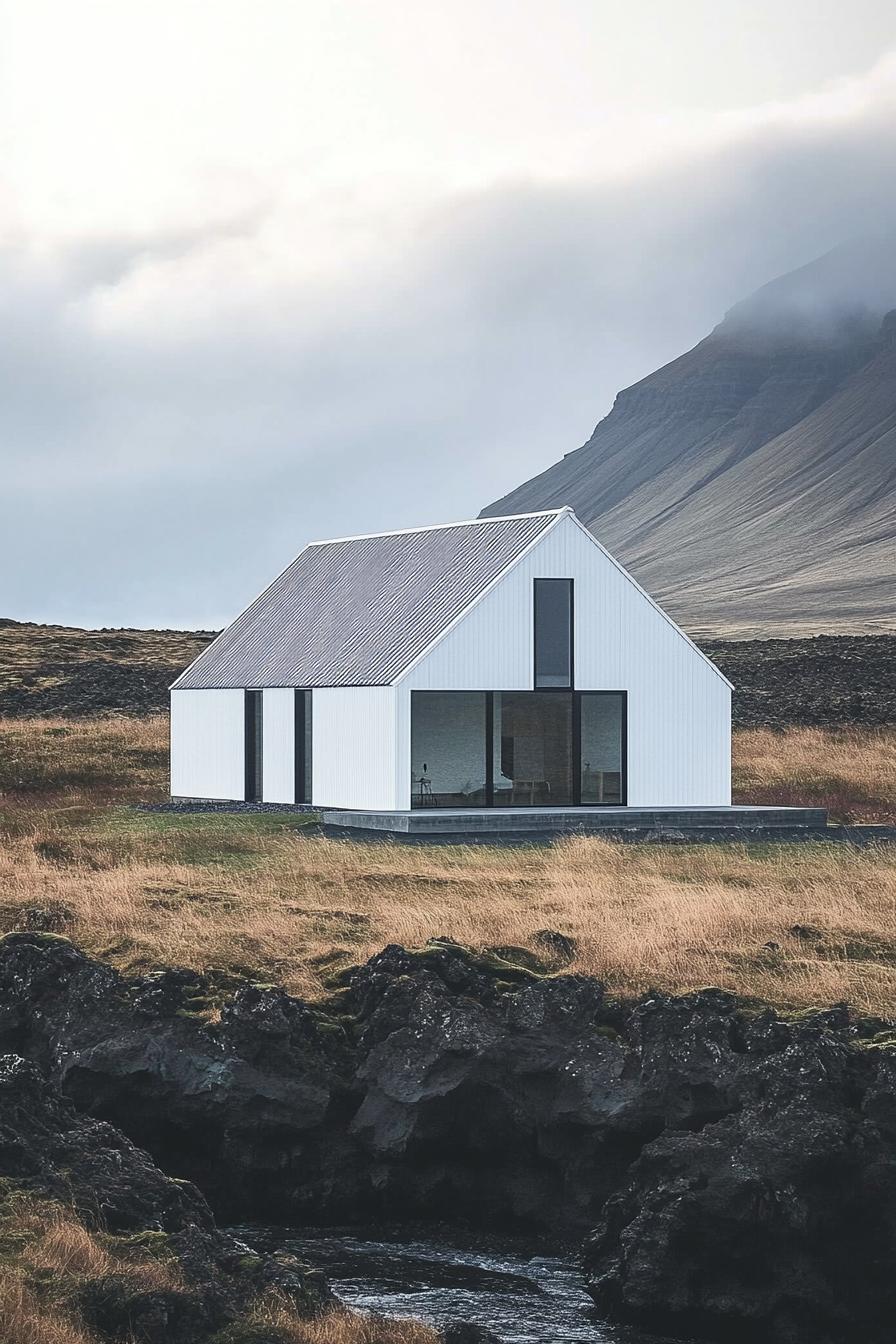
pixel 777 1222
pixel 49 1149
pixel 827 680
pixel 85 687
pixel 822 682
pixel 464 1332
pixel 738 1168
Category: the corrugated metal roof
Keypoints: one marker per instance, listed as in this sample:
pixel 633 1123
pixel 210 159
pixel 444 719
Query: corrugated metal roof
pixel 358 611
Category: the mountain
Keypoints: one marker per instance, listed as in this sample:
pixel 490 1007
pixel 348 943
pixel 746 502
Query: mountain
pixel 750 485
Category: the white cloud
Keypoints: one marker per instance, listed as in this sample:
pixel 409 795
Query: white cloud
pixel 213 362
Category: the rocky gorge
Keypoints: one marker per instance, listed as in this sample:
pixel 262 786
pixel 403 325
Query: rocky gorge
pixel 730 1172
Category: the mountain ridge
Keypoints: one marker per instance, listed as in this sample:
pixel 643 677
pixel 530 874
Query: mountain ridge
pixel 750 484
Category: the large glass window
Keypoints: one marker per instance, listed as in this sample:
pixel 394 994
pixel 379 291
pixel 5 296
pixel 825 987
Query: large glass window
pixel 448 758
pixel 517 748
pixel 553 632
pixel 532 749
pixel 603 737
pixel 303 746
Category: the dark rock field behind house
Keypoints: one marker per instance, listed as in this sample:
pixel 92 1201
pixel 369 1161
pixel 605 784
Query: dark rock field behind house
pixel 826 681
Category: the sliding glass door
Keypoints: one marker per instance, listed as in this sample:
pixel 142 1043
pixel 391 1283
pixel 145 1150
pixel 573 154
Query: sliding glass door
pixel 532 742
pixel 518 748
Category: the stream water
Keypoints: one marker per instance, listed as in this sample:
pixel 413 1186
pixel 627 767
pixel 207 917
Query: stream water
pixel 526 1295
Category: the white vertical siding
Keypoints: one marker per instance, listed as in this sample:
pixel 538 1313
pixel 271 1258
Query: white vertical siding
pixel 278 776
pixel 679 709
pixel 208 744
pixel 354 748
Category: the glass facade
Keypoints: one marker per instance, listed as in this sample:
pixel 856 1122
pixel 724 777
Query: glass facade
pixel 517 748
pixel 602 728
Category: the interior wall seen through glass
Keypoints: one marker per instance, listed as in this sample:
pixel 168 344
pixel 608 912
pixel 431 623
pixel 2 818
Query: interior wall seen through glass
pixel 532 749
pixel 448 749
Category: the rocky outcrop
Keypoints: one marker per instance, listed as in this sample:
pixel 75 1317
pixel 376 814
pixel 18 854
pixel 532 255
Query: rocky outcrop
pixel 52 669
pixel 775 1222
pixel 49 1150
pixel 737 1170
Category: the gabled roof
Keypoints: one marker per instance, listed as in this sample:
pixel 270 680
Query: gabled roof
pixel 358 611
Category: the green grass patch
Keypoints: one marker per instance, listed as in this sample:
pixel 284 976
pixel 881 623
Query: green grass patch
pixel 208 839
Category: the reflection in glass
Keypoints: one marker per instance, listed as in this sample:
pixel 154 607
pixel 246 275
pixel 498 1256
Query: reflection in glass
pixel 448 749
pixel 602 720
pixel 532 749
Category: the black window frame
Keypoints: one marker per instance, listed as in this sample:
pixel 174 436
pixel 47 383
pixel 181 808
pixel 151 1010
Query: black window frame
pixel 253 727
pixel 571 684
pixel 303 720
pixel 623 746
pixel 576 745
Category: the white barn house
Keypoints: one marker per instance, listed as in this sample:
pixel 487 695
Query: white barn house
pixel 503 662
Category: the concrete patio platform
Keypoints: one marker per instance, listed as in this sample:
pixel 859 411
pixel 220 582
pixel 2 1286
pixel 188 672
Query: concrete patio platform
pixel 482 823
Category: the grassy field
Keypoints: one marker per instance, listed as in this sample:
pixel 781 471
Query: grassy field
pixel 251 895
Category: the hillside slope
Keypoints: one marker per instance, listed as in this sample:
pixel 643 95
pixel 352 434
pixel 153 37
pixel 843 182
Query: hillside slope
pixel 57 669
pixel 750 485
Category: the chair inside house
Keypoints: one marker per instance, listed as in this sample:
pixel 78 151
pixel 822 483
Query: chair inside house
pixel 600 785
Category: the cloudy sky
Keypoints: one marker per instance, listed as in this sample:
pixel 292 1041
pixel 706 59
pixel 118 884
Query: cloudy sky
pixel 275 270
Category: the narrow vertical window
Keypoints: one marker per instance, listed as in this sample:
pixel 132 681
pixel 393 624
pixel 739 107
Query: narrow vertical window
pixel 303 746
pixel 254 736
pixel 553 632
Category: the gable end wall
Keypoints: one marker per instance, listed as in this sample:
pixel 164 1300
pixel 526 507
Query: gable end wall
pixel 679 708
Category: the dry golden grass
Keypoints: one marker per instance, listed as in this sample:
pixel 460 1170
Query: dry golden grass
pixel 338 1326
pixel 63 1245
pixel 79 765
pixel 794 924
pixel 26 1319
pixel 50 1238
pixel 47 1255
pixel 60 1245
pixel 850 771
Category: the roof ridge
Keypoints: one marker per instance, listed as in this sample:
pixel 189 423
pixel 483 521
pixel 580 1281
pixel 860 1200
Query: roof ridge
pixel 439 527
